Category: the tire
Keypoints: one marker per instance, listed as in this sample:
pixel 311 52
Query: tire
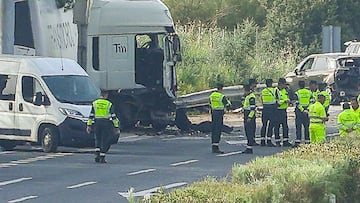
pixel 49 139
pixel 8 145
pixel 159 126
pixel 127 117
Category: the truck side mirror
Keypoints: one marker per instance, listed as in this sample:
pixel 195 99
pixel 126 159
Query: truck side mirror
pixel 177 48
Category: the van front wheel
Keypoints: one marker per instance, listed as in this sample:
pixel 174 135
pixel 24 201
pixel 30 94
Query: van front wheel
pixel 49 139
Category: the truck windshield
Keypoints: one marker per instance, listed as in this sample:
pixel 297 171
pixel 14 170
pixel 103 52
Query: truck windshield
pixel 74 89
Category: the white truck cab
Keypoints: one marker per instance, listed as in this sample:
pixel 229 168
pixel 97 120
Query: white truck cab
pixel 45 101
pixel 128 47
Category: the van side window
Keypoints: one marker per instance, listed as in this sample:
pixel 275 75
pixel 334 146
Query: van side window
pixel 7 87
pixel 30 86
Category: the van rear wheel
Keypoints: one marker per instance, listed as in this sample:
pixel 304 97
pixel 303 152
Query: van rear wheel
pixel 49 139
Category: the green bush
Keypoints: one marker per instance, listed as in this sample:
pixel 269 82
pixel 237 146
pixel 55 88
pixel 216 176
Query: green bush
pixel 309 173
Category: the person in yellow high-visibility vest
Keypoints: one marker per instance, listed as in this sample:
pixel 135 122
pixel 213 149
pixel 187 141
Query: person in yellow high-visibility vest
pixel 104 123
pixel 303 96
pixel 322 89
pixel 281 115
pixel 347 120
pixel 318 117
pixel 218 103
pixel 356 109
pixel 270 104
pixel 249 106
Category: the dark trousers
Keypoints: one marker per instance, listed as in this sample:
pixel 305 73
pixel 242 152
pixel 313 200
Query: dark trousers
pixel 301 119
pixel 217 117
pixel 250 128
pixel 267 119
pixel 104 130
pixel 281 119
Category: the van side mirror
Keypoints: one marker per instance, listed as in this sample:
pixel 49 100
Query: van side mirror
pixel 38 99
pixel 41 99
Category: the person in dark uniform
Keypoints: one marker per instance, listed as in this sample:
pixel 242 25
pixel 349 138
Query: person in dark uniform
pixel 218 103
pixel 269 100
pixel 281 116
pixel 104 122
pixel 249 107
pixel 253 84
pixel 302 97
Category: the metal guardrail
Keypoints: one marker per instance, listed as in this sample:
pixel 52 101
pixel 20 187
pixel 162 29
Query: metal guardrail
pixel 198 99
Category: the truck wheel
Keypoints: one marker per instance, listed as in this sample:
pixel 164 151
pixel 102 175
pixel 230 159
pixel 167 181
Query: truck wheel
pixel 49 139
pixel 159 126
pixel 127 117
pixel 8 145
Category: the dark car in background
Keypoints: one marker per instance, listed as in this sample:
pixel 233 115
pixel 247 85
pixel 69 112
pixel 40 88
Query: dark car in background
pixel 340 71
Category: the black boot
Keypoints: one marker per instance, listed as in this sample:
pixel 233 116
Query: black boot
pixel 278 144
pixel 270 144
pixel 97 159
pixel 248 151
pixel 97 156
pixel 287 144
pixel 215 149
pixel 102 160
pixel 263 143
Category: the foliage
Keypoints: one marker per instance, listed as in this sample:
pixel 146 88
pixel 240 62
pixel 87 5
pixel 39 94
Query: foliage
pixel 239 39
pixel 213 54
pixel 310 173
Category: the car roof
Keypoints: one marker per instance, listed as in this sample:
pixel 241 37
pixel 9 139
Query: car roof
pixel 337 55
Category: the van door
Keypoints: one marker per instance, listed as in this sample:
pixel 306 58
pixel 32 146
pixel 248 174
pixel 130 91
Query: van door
pixel 8 82
pixel 28 115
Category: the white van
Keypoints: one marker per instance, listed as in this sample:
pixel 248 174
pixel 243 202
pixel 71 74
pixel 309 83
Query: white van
pixel 45 101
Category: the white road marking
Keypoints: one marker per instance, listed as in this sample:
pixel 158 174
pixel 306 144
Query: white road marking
pixel 133 138
pixel 23 199
pixel 184 162
pixel 7 152
pixel 142 171
pixel 33 159
pixel 14 181
pixel 7 165
pixel 81 185
pixel 229 154
pixel 152 190
pixel 236 142
pixel 185 138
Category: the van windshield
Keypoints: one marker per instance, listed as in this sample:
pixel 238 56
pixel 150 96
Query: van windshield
pixel 74 89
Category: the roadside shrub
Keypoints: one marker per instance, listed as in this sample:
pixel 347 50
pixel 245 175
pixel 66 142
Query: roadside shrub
pixel 309 173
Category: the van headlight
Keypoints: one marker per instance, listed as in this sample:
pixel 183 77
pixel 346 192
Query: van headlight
pixel 70 112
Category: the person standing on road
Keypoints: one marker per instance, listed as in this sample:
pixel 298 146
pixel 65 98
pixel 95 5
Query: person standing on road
pixel 281 115
pixel 303 96
pixel 318 118
pixel 269 101
pixel 322 90
pixel 356 109
pixel 218 102
pixel 104 123
pixel 347 121
pixel 249 107
pixel 253 84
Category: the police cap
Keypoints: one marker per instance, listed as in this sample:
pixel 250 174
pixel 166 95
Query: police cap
pixel 268 82
pixel 282 81
pixel 252 81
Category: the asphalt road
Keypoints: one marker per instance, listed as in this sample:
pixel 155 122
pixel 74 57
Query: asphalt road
pixel 138 161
